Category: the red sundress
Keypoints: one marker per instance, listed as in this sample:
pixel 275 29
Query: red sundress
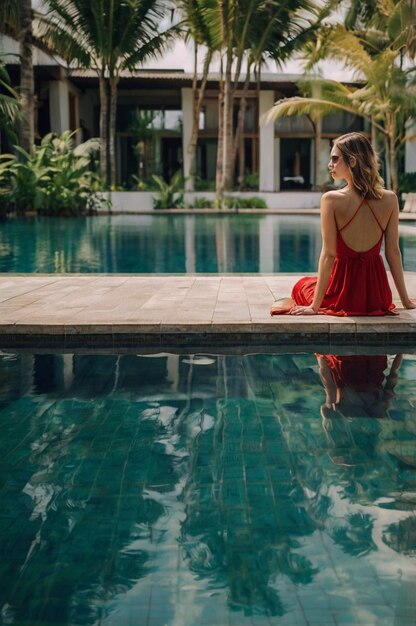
pixel 358 372
pixel 358 284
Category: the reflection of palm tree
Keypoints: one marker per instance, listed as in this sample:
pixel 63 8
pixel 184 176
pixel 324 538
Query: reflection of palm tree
pixel 85 518
pixel 401 536
pixel 355 535
pixel 243 527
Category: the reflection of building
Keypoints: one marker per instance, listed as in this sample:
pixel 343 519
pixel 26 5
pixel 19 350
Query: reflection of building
pixel 283 159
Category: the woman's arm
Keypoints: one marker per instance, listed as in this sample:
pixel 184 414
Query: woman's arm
pixel 331 390
pixel 394 257
pixel 326 258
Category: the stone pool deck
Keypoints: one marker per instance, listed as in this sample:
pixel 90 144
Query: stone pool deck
pixel 96 311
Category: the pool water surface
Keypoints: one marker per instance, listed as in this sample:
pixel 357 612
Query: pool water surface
pixel 183 490
pixel 168 244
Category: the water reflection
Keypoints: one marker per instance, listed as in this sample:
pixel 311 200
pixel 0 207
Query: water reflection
pixel 168 244
pixel 357 386
pixel 183 489
pixel 160 244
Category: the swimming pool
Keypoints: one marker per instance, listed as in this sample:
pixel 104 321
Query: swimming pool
pixel 167 244
pixel 207 489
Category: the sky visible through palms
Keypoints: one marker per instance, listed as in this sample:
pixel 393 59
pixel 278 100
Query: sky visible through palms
pixel 180 56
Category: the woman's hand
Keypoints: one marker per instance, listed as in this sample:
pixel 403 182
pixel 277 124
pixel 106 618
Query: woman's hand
pixel 303 310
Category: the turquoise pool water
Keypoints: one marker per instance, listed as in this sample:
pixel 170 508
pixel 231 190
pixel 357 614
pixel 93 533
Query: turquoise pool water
pixel 188 490
pixel 167 244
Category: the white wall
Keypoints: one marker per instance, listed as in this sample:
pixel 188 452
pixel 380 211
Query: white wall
pixel 142 201
pixel 59 106
pixel 410 152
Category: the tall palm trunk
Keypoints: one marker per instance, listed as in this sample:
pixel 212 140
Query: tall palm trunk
pixel 27 84
pixel 317 128
pixel 103 129
pixel 238 148
pixel 227 163
pixel 112 131
pixel 197 99
pixel 394 143
pixel 220 152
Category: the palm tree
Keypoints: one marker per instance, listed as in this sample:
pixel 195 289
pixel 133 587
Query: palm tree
pixel 274 36
pixel 27 83
pixel 245 32
pixel 387 97
pixel 109 37
pixel 16 20
pixel 197 30
pixel 9 104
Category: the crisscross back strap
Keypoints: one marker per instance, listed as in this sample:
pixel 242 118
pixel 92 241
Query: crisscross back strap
pixel 350 220
pixel 383 230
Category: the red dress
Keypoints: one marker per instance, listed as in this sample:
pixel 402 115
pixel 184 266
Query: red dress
pixel 358 284
pixel 358 372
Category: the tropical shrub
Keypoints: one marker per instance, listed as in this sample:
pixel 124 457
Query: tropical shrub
pixel 201 184
pixel 142 184
pixel 202 203
pixel 407 182
pixel 236 202
pixel 169 195
pixel 251 181
pixel 55 180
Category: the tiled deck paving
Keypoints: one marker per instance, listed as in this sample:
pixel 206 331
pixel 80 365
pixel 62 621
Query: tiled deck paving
pixel 112 311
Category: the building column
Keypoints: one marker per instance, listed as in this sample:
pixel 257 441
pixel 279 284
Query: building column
pixel 187 112
pixel 268 235
pixel 410 151
pixel 59 106
pixel 266 144
pixel 190 254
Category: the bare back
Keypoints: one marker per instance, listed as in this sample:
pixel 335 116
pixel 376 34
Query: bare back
pixel 362 223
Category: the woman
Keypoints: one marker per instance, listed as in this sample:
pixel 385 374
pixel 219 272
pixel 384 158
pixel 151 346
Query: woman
pixel 357 385
pixel 352 279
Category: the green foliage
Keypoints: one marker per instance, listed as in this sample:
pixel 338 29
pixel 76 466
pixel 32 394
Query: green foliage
pixel 54 180
pixel 251 181
pixel 169 195
pixel 202 203
pixel 9 104
pixel 204 185
pixel 143 184
pixel 407 184
pixel 236 202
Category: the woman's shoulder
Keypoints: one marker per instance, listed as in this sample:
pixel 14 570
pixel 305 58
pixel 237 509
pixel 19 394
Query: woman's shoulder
pixel 338 197
pixel 334 198
pixel 388 196
pixel 386 202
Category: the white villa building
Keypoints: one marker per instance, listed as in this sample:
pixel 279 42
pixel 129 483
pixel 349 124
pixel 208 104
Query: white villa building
pixel 279 156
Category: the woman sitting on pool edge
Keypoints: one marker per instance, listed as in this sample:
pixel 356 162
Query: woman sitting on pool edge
pixel 352 279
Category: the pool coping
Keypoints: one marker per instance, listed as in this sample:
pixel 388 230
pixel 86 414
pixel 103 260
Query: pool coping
pixel 191 312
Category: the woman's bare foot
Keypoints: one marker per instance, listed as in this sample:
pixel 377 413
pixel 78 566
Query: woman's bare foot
pixel 282 305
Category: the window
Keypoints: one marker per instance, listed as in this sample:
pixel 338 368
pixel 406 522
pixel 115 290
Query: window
pixel 293 125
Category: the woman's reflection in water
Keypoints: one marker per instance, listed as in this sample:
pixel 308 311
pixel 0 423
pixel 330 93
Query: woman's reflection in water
pixel 357 386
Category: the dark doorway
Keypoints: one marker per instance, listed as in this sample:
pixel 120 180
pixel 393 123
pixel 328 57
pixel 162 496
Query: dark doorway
pixel 171 156
pixel 295 164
